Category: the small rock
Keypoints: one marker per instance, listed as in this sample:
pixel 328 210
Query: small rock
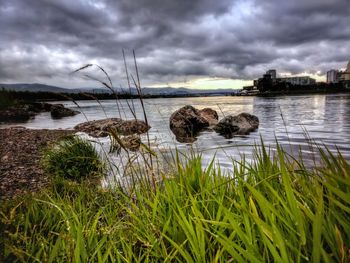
pixel 4 158
pixel 131 142
pixel 59 111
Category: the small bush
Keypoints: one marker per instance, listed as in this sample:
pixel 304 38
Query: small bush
pixel 73 158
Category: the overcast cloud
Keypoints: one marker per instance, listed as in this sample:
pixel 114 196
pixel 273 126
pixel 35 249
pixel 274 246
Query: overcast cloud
pixel 175 41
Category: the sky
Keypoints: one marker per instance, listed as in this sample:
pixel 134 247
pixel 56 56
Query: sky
pixel 182 43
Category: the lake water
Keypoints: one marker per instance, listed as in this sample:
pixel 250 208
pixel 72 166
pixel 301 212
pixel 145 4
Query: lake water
pixel 326 119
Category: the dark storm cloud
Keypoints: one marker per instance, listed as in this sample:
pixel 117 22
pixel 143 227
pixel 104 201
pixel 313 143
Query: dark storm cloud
pixel 43 40
pixel 300 21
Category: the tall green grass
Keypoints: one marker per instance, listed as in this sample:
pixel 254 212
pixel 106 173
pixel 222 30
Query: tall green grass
pixel 273 209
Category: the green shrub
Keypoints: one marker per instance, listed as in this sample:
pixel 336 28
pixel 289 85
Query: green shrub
pixel 73 158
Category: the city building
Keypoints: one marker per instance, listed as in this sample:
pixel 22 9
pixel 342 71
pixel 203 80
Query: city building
pixel 333 76
pixel 338 76
pixel 270 81
pixel 302 80
pixel 346 73
pixel 336 80
pixel 272 73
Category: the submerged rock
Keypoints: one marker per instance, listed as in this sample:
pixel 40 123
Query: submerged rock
pixel 188 121
pixel 59 111
pixel 101 128
pixel 184 135
pixel 130 142
pixel 241 124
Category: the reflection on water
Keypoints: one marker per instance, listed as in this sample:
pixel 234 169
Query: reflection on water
pixel 325 118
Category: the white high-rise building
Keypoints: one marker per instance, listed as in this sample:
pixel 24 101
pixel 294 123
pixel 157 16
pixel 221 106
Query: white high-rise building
pixel 332 76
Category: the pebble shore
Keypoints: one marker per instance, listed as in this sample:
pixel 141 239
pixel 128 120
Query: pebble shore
pixel 20 154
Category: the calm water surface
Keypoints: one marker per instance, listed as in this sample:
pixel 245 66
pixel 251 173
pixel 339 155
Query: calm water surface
pixel 326 119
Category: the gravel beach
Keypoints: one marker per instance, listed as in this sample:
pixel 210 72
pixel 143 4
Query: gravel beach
pixel 20 154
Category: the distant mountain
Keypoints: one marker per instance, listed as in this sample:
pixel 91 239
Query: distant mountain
pixel 35 87
pixel 168 91
pixel 165 91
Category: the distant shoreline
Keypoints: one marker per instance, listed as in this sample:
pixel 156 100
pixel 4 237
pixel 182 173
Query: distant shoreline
pixel 28 96
pixel 311 92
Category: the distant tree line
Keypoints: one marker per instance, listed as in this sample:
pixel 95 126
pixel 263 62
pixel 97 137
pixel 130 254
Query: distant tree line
pixel 29 96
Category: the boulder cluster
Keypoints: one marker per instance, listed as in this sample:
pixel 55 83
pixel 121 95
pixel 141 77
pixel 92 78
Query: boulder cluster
pixel 187 122
pixel 25 112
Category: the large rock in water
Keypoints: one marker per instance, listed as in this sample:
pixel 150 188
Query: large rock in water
pixel 189 118
pixel 59 111
pixel 101 128
pixel 188 121
pixel 240 124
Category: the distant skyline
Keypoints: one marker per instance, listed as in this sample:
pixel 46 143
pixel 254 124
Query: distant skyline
pixel 193 44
